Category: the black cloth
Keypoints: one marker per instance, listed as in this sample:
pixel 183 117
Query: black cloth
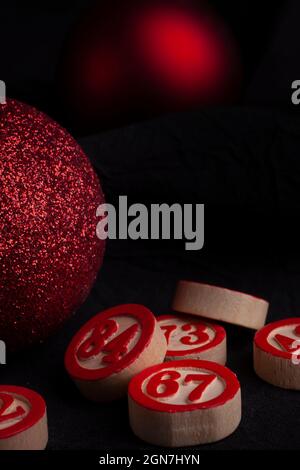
pixel 244 165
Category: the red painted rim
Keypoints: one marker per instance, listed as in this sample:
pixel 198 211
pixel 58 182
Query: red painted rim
pixel 225 288
pixel 143 316
pixel 260 338
pixel 231 389
pixel 220 335
pixel 36 413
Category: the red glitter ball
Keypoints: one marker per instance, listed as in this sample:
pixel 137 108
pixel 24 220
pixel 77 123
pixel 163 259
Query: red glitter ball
pixel 49 251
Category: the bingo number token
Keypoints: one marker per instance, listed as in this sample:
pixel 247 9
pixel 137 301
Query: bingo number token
pixel 277 353
pixel 193 338
pixel 23 419
pixel 187 402
pixel 111 348
pixel 221 304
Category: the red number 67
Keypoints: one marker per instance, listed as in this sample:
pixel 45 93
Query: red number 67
pixel 165 384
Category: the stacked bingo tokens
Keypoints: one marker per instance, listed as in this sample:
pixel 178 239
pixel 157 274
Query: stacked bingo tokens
pixel 277 353
pixel 113 347
pixel 193 338
pixel 220 304
pixel 183 403
pixel 23 419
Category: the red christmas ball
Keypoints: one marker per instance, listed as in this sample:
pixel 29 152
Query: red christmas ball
pixel 49 251
pixel 125 61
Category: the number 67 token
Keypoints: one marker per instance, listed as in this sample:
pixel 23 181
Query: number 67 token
pixel 186 402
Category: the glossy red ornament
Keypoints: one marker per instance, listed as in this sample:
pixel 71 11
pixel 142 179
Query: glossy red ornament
pixel 130 60
pixel 49 251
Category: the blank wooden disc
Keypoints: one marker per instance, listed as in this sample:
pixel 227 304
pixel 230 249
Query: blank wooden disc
pixel 23 419
pixel 220 304
pixel 111 348
pixel 277 353
pixel 182 403
pixel 190 337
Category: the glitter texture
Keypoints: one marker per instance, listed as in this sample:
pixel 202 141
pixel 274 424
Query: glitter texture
pixel 49 252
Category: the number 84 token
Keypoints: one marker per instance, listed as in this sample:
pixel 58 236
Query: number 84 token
pixel 111 348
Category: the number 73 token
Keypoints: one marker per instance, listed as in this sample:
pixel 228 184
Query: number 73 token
pixel 183 403
pixel 193 338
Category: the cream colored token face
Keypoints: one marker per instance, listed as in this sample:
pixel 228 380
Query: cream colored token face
pixel 187 335
pixel 185 385
pixel 185 402
pixel 113 341
pixel 20 409
pixel 193 387
pixel 281 338
pixel 88 355
pixel 285 338
pixel 277 353
pixel 13 410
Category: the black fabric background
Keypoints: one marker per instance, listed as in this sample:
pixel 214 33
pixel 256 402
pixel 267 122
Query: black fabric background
pixel 251 244
pixel 243 163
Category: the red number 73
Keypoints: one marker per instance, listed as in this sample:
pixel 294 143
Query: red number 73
pixel 165 384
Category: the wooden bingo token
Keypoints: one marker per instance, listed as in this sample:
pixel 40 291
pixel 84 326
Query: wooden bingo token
pixel 220 304
pixel 23 419
pixel 277 353
pixel 193 338
pixel 111 348
pixel 187 402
